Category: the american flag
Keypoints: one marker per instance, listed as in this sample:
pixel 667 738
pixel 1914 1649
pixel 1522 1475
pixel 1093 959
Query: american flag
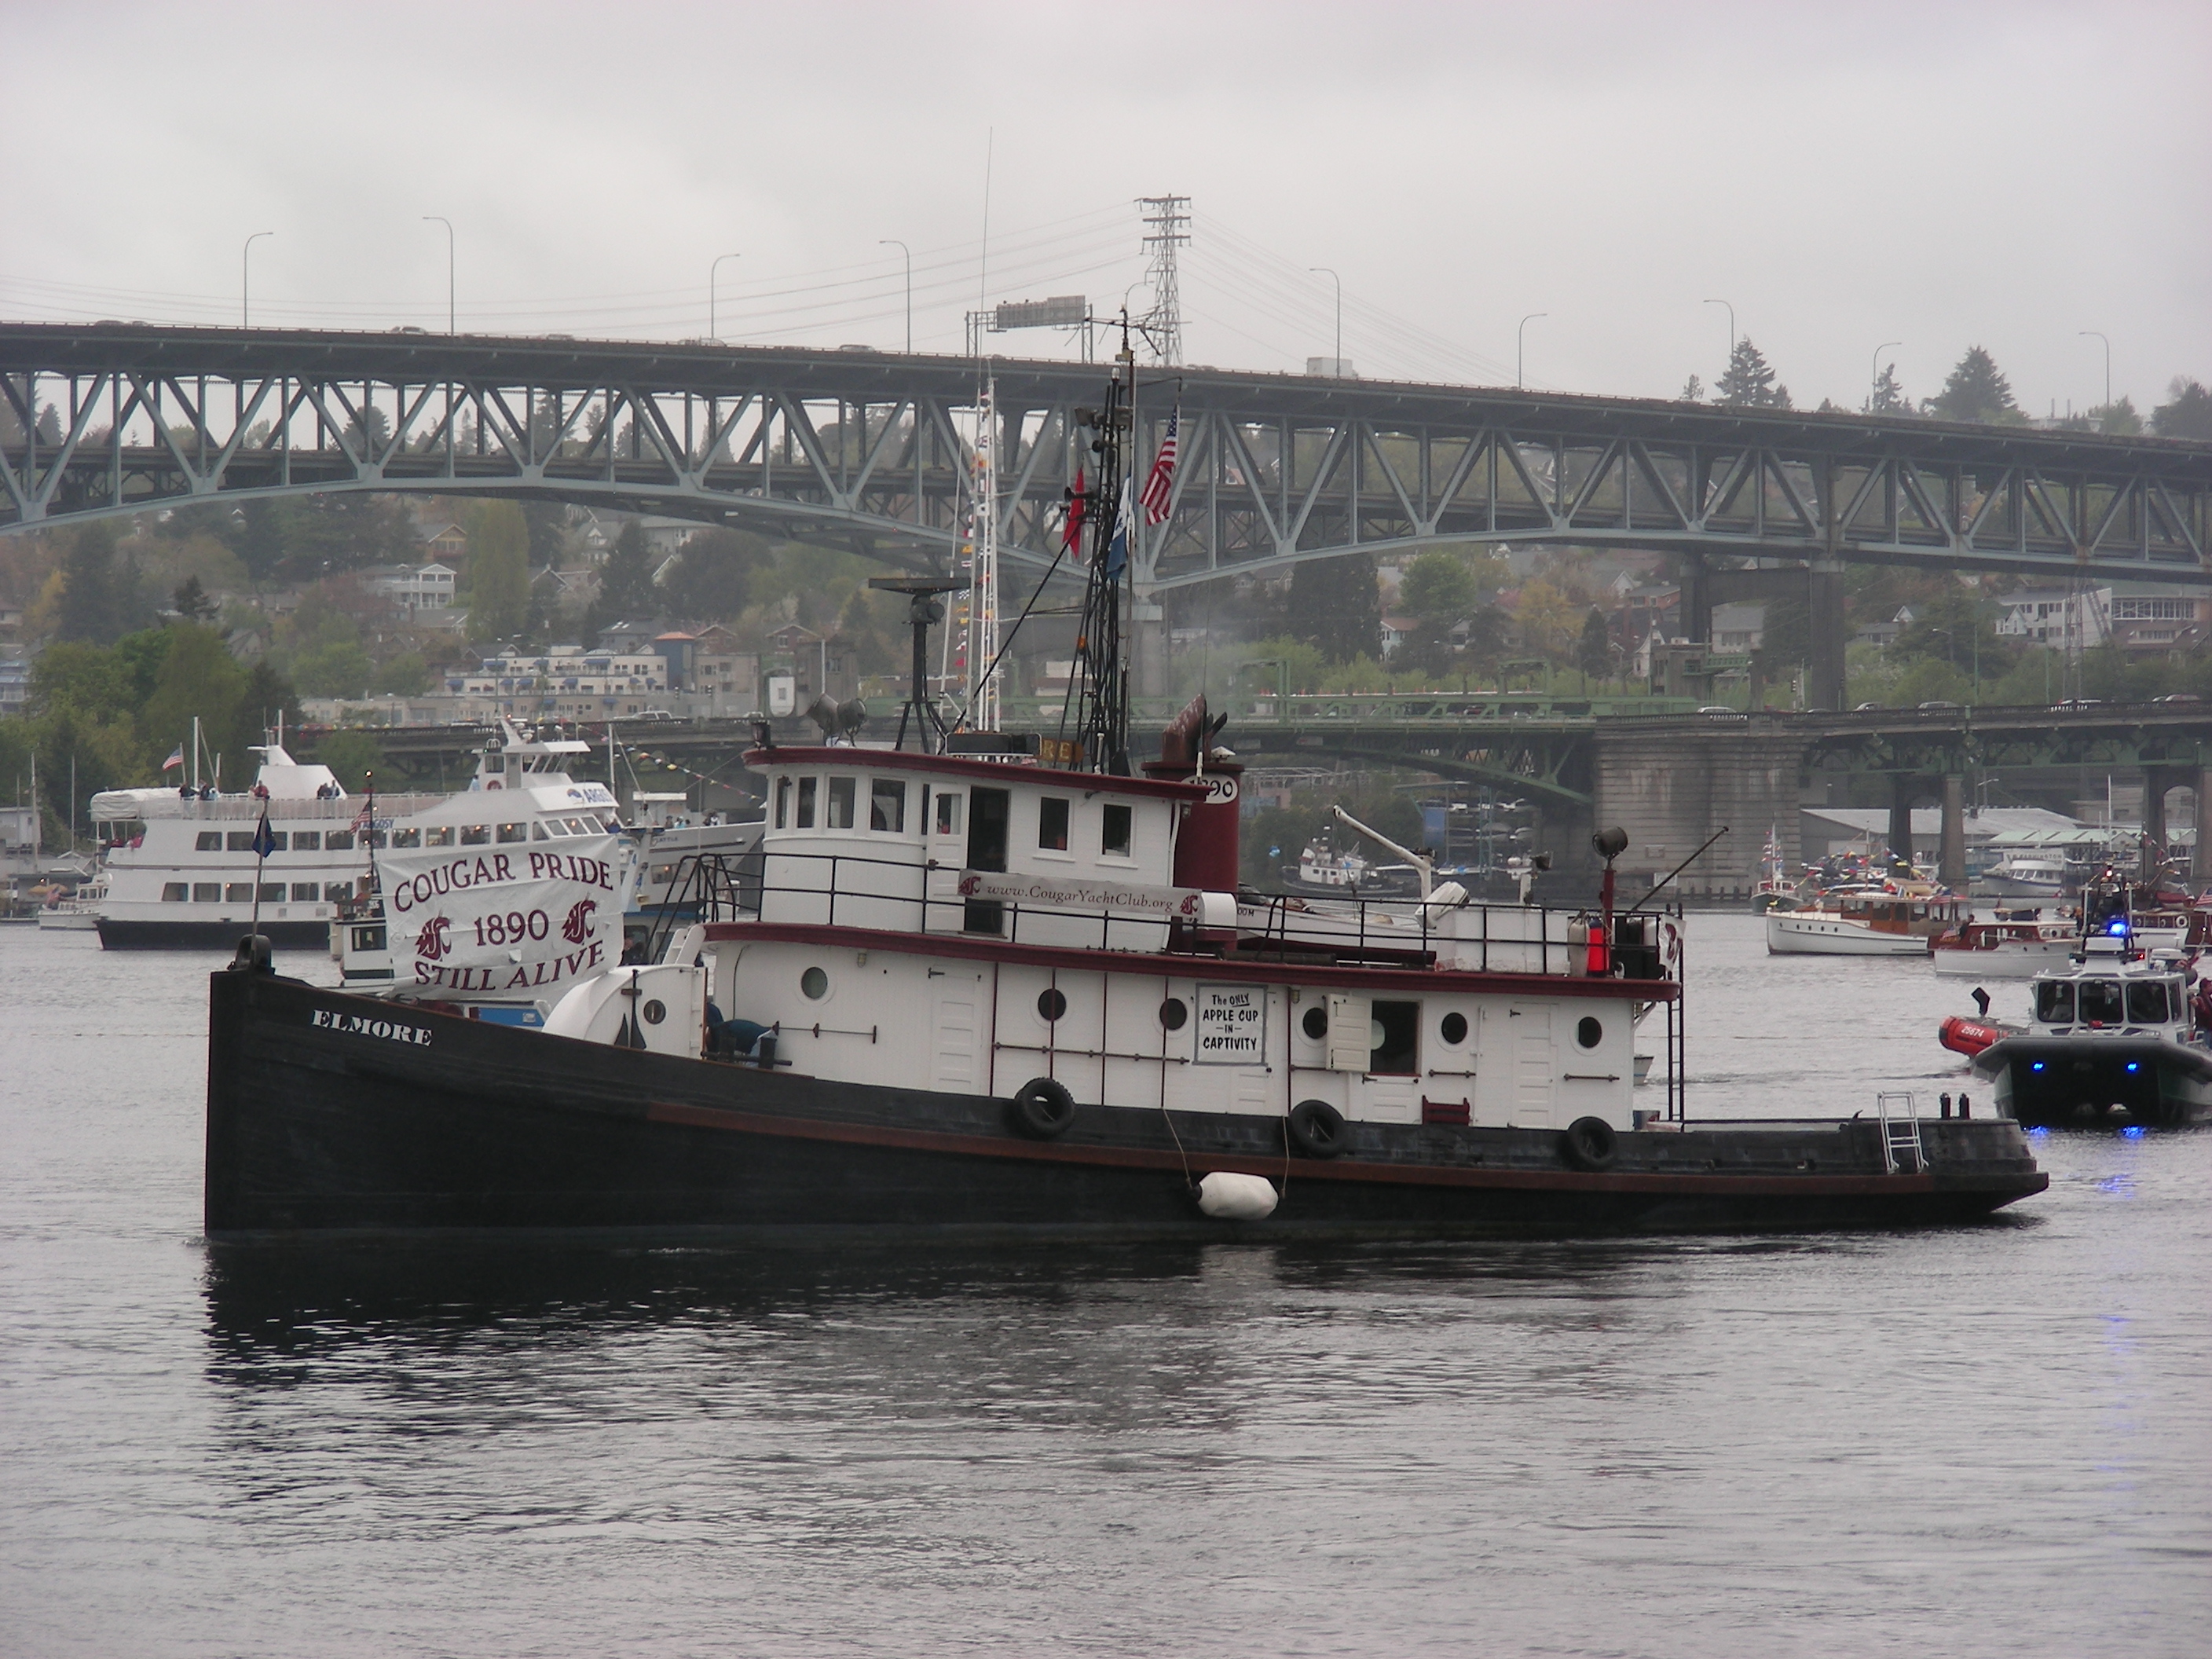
pixel 1161 483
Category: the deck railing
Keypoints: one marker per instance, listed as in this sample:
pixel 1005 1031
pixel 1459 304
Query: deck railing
pixel 860 891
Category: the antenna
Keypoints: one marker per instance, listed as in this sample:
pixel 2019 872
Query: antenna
pixel 1167 218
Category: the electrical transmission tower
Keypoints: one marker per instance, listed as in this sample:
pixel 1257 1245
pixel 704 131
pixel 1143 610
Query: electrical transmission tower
pixel 1167 220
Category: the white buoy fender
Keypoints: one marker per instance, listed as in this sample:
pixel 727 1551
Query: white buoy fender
pixel 1228 1197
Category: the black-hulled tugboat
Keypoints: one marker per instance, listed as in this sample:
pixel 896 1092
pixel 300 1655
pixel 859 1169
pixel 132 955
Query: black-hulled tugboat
pixel 1019 992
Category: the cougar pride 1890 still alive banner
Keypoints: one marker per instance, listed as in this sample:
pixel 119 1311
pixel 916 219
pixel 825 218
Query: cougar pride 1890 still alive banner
pixel 513 918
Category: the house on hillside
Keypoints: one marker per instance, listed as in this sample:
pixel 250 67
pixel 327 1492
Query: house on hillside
pixel 2061 619
pixel 412 587
pixel 444 540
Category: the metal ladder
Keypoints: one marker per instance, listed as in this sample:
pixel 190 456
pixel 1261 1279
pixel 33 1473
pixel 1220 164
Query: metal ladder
pixel 1900 1133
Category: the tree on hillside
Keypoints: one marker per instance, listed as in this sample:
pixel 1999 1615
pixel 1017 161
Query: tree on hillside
pixel 1888 397
pixel 192 602
pixel 1594 650
pixel 94 605
pixel 265 696
pixel 1749 381
pixel 2186 412
pixel 1337 604
pixel 499 570
pixel 259 539
pixel 1693 392
pixel 549 526
pixel 712 580
pixel 1975 390
pixel 625 581
pixel 1439 587
pixel 2117 420
pixel 200 678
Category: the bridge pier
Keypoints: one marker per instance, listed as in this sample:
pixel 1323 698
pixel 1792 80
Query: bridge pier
pixel 1901 791
pixel 1695 614
pixel 1825 674
pixel 2157 779
pixel 2201 855
pixel 1671 784
pixel 1951 863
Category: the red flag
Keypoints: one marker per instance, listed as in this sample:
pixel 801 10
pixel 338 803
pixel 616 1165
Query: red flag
pixel 1071 538
pixel 1161 483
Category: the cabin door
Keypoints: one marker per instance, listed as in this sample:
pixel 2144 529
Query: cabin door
pixel 1530 1027
pixel 989 811
pixel 956 1016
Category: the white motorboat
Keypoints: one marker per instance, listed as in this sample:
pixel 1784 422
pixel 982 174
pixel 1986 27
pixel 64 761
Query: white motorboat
pixel 78 912
pixel 1864 922
pixel 2011 944
pixel 2029 874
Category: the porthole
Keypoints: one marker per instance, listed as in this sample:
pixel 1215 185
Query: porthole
pixel 1173 1013
pixel 814 983
pixel 1453 1028
pixel 1587 1032
pixel 655 1010
pixel 1316 1023
pixel 1051 1003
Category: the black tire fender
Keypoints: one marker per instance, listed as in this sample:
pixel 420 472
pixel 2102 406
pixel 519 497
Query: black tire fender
pixel 1589 1143
pixel 1316 1128
pixel 1042 1109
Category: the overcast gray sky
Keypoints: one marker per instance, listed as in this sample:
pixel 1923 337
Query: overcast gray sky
pixel 1937 174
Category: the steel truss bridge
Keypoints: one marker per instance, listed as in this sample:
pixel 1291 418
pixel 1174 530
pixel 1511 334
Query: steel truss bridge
pixel 872 453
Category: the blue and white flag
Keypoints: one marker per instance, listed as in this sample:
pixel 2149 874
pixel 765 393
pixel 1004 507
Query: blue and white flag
pixel 1117 550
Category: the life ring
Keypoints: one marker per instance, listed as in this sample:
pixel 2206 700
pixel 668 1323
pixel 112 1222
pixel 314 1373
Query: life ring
pixel 1042 1108
pixel 1588 1143
pixel 1317 1128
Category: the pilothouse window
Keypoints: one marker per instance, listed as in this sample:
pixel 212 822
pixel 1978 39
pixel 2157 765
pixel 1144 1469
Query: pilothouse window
pixel 1052 822
pixel 2146 1002
pixel 1113 831
pixel 887 807
pixel 2100 1001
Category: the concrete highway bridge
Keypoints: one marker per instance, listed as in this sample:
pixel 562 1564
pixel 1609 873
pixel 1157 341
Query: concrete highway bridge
pixel 873 452
pixel 1668 778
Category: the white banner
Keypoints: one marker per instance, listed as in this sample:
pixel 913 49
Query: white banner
pixel 1062 893
pixel 504 918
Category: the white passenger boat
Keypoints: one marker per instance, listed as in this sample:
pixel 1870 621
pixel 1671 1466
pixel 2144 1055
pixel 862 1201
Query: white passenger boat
pixel 2025 874
pixel 2011 944
pixel 1864 922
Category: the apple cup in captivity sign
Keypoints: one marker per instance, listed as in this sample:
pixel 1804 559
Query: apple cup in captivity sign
pixel 505 918
pixel 1232 1024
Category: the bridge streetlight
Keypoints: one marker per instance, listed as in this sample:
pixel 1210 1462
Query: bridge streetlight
pixel 245 273
pixel 440 218
pixel 1731 311
pixel 1323 271
pixel 1874 373
pixel 2089 333
pixel 1521 344
pixel 711 269
pixel 893 241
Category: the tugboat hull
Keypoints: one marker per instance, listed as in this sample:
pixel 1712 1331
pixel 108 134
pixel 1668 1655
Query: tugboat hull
pixel 332 1111
pixel 2079 1083
pixel 115 935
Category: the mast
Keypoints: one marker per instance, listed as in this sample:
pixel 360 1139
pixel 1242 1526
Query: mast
pixel 1100 688
pixel 983 575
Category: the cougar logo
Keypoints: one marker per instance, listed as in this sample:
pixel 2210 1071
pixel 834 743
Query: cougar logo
pixel 969 884
pixel 578 927
pixel 1189 905
pixel 431 943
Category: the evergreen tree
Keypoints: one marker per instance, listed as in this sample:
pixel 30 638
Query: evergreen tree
pixel 265 695
pixel 499 570
pixel 2186 413
pixel 192 602
pixel 93 607
pixel 1693 392
pixel 1888 397
pixel 1976 391
pixel 625 581
pixel 1749 381
pixel 548 529
pixel 712 579
pixel 1337 604
pixel 1594 651
pixel 261 539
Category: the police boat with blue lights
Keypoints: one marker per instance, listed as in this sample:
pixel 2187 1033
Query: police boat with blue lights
pixel 2118 1037
pixel 996 985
